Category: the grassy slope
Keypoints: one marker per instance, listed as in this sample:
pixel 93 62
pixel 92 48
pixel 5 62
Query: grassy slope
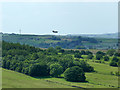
pixel 100 79
pixel 12 79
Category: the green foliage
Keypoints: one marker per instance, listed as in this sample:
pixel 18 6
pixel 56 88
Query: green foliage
pixel 111 52
pixel 117 54
pixel 39 62
pixel 83 52
pixel 101 53
pixel 88 52
pixel 56 70
pixel 115 59
pixel 74 74
pixel 106 58
pixel 77 55
pixel 113 63
pixel 90 56
pixel 99 56
pixel 38 70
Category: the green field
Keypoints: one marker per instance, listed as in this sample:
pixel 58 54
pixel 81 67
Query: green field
pixel 12 79
pixel 99 79
pixel 67 42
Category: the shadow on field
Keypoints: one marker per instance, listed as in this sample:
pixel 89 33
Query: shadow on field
pixel 43 77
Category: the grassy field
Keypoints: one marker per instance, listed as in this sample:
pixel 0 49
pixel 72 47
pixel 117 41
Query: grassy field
pixel 99 79
pixel 12 79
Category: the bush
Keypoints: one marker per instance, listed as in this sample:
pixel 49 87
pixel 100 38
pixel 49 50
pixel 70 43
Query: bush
pixel 88 52
pixel 113 63
pixel 99 56
pixel 74 74
pixel 117 54
pixel 83 52
pixel 56 70
pixel 111 52
pixel 115 59
pixel 90 56
pixel 106 58
pixel 77 55
pixel 101 53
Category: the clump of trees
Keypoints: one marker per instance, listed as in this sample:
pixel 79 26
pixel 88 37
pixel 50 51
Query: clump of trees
pixel 56 70
pixel 74 74
pixel 38 62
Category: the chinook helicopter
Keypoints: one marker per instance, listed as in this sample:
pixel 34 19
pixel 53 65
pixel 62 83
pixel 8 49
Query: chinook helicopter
pixel 55 31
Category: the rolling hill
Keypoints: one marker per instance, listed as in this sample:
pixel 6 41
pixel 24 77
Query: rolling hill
pixel 67 41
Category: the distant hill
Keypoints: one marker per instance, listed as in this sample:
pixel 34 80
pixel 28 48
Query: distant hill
pixel 107 35
pixel 65 41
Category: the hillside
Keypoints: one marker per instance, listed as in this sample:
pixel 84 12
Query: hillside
pixel 12 79
pixel 36 62
pixel 107 35
pixel 67 41
pixel 102 79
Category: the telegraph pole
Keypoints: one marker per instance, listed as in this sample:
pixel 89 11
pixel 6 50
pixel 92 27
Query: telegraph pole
pixel 20 31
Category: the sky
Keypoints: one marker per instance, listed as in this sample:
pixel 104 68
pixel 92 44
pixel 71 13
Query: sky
pixel 66 17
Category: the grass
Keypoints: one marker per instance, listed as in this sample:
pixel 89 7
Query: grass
pixel 12 79
pixel 102 78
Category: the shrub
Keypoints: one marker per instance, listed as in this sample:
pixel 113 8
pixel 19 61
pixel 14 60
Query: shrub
pixel 101 53
pixel 90 56
pixel 99 56
pixel 83 52
pixel 111 52
pixel 56 69
pixel 117 54
pixel 115 59
pixel 77 55
pixel 113 63
pixel 88 52
pixel 74 74
pixel 106 58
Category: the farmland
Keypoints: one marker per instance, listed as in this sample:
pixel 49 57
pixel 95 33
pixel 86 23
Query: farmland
pixel 64 41
pixel 46 61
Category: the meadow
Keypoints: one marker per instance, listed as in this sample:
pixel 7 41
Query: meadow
pixel 100 79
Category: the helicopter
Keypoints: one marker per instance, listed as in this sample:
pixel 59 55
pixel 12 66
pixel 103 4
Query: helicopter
pixel 55 31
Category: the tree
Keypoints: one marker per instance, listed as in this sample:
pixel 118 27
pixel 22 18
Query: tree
pixel 83 52
pixel 88 52
pixel 84 65
pixel 113 63
pixel 99 56
pixel 111 52
pixel 77 55
pixel 101 53
pixel 90 56
pixel 117 54
pixel 38 70
pixel 56 69
pixel 74 74
pixel 106 58
pixel 115 59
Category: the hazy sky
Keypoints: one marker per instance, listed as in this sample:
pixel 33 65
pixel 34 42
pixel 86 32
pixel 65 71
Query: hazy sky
pixel 67 18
